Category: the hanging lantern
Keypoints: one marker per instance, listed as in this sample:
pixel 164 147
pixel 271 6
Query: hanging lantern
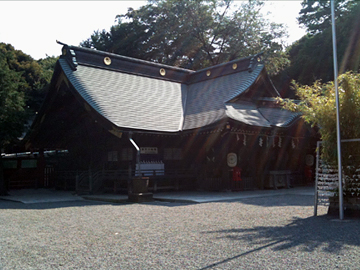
pixel 244 141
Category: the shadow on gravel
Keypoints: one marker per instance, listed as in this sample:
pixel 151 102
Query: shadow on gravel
pixel 4 204
pixel 322 232
pixel 49 205
pixel 279 200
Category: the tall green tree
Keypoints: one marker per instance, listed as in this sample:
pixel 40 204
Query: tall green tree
pixel 23 85
pixel 12 113
pixel 36 74
pixel 315 15
pixel 312 56
pixel 12 99
pixel 194 34
pixel 36 95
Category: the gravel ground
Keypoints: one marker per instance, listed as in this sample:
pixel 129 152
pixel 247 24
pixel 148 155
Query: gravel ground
pixel 260 233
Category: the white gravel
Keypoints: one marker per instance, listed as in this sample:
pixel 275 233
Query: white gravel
pixel 260 233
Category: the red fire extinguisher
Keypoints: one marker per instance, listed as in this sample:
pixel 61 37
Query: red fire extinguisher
pixel 237 174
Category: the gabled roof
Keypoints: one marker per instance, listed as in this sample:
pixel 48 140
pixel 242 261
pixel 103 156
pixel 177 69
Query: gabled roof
pixel 129 100
pixel 141 95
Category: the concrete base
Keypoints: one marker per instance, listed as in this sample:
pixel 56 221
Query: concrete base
pixel 140 185
pixel 140 197
pixel 351 209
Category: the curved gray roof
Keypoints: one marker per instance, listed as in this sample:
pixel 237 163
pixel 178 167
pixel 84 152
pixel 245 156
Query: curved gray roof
pixel 130 101
pixel 144 101
pixel 250 114
pixel 246 112
pixel 206 100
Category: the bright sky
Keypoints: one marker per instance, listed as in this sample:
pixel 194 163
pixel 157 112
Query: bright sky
pixel 34 26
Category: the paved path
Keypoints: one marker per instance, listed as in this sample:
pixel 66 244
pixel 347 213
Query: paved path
pixel 29 196
pixel 48 195
pixel 202 197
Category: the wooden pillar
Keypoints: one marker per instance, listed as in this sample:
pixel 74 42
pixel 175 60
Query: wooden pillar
pixel 225 144
pixel 3 185
pixel 90 182
pixel 77 184
pixel 40 175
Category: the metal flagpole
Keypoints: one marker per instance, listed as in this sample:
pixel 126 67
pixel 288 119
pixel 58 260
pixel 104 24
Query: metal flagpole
pixel 317 177
pixel 341 208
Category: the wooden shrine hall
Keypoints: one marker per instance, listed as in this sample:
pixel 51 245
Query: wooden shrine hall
pixel 219 128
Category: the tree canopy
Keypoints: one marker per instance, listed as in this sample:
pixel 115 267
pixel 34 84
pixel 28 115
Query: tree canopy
pixel 12 102
pixel 315 15
pixel 312 56
pixel 194 34
pixel 23 84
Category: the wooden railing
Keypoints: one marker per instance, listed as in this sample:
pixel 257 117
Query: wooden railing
pixel 87 182
pixel 173 179
pixel 65 180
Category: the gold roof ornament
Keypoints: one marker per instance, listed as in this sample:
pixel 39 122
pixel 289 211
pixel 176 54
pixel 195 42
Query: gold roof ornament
pixel 107 61
pixel 162 72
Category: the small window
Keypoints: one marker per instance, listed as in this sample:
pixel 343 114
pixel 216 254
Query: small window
pixel 172 154
pixel 112 156
pixel 10 164
pixel 29 163
pixel 127 154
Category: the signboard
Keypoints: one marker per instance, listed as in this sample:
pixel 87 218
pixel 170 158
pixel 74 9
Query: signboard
pixel 149 150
